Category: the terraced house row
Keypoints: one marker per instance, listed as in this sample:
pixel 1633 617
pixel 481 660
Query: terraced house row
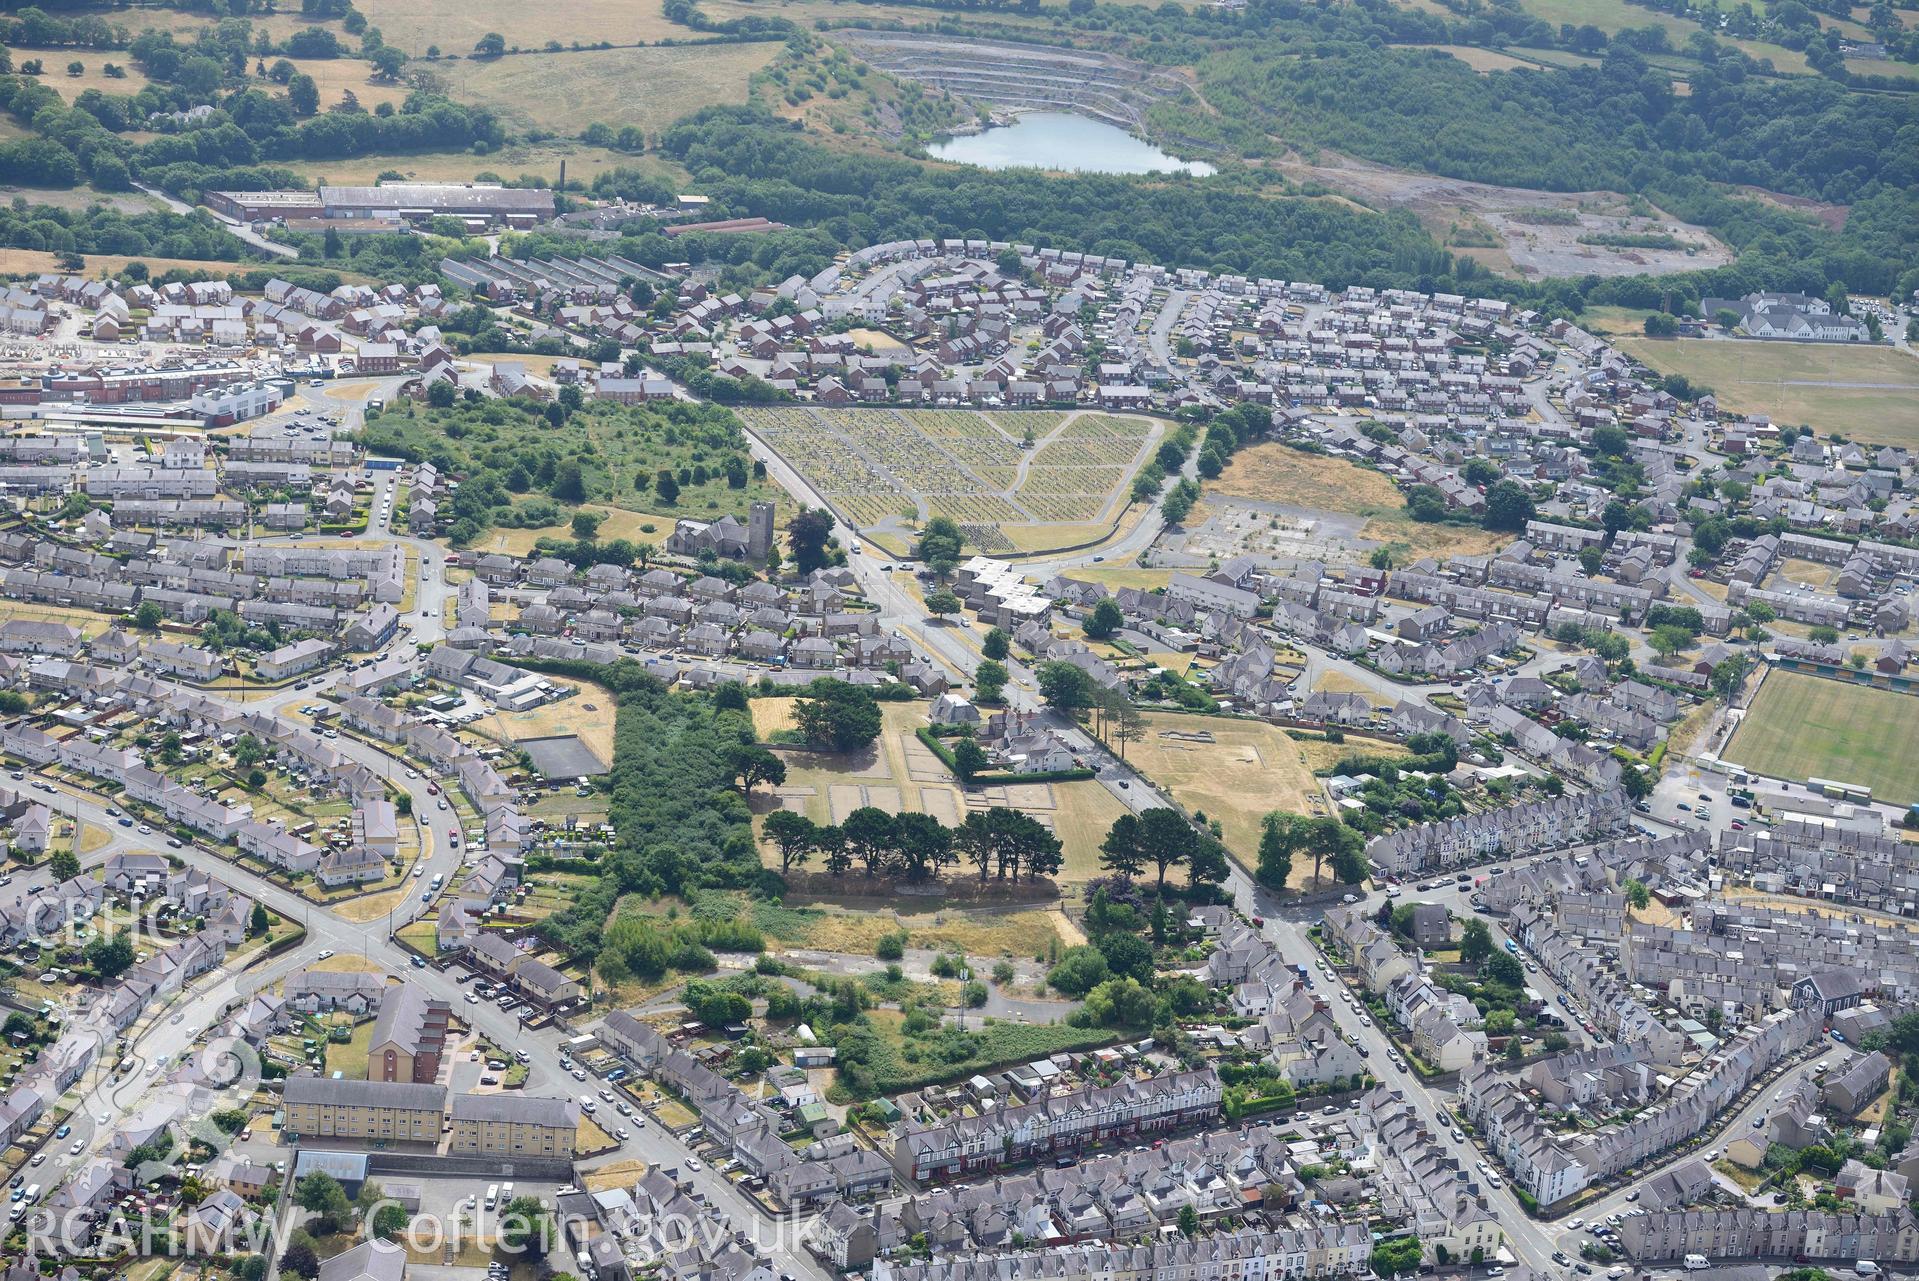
pixel 977 1145
pixel 1334 1249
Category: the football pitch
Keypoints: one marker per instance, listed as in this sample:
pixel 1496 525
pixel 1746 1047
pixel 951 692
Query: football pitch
pixel 1803 727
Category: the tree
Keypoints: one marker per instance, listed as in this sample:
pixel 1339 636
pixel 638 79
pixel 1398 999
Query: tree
pixel 258 922
pixel 1281 836
pixel 1126 725
pixel 941 603
pixel 1326 838
pixel 969 760
pixel 1120 852
pixel 1117 1002
pixel 387 62
pixel 749 763
pixel 490 45
pixel 303 95
pixel 1503 967
pixel 793 834
pixel 667 486
pixel 940 544
pixel 1166 840
pixel 1475 941
pixel 248 751
pixel 989 680
pixel 1105 620
pixel 320 1193
pixel 837 715
pixel 1508 506
pixel 1667 640
pixel 65 865
pixel 148 617
pixel 1079 970
pixel 1637 894
pixel 586 525
pixel 923 843
pixel 1065 686
pixel 526 1226
pixel 996 645
pixel 1188 1221
pixel 1660 325
pixel 109 957
pixel 299 1259
pixel 870 837
pixel 808 535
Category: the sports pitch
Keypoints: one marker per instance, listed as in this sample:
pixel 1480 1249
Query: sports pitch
pixel 1803 727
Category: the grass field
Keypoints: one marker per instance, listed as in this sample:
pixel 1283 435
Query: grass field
pixel 1869 393
pixel 456 25
pixel 1483 61
pixel 618 523
pixel 1247 769
pixel 31 262
pixel 1804 727
pixel 1279 473
pixel 898 774
pixel 650 88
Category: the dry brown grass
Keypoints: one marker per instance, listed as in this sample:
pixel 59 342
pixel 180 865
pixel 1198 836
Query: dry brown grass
pixel 1248 769
pixel 1340 683
pixel 650 87
pixel 617 523
pixel 1279 473
pixel 347 963
pixel 1020 932
pixel 614 1174
pixel 31 262
pixel 457 25
pixel 772 714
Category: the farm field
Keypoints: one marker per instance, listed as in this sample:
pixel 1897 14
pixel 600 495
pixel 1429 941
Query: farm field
pixel 1238 770
pixel 1802 727
pixel 1279 473
pixel 650 87
pixel 899 774
pixel 1868 393
pixel 456 25
pixel 881 465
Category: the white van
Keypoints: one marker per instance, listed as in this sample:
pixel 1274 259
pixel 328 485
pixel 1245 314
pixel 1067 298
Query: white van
pixel 1864 1267
pixel 587 1105
pixel 506 1193
pixel 492 1195
pixel 1694 1262
pixel 33 1194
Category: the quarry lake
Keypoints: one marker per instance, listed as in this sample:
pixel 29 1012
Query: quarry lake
pixel 1061 140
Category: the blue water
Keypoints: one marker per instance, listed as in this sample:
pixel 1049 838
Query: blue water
pixel 1061 140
